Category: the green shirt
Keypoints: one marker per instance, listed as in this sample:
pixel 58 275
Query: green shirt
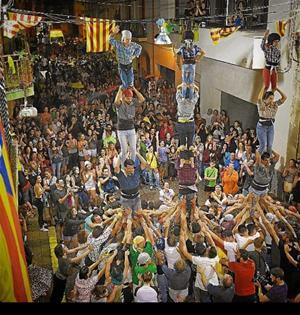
pixel 133 256
pixel 142 269
pixel 211 172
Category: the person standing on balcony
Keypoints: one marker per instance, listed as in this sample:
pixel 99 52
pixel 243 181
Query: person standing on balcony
pixel 126 51
pixel 190 54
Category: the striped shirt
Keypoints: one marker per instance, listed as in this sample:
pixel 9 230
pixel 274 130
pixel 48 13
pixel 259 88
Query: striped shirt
pixel 268 112
pixel 272 54
pixel 125 54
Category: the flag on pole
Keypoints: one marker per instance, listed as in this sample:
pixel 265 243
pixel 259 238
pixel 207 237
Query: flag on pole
pixel 97 34
pixel 217 33
pixel 17 22
pixel 14 282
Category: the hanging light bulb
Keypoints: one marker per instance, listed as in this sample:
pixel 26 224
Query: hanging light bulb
pixel 162 38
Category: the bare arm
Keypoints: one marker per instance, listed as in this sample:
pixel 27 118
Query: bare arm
pixel 118 98
pixel 139 95
pixel 283 96
pixel 144 163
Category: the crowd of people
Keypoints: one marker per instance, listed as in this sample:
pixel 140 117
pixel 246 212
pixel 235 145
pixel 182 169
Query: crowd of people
pixel 213 234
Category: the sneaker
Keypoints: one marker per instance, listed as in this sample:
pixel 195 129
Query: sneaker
pixel 43 229
pixel 91 209
pixel 82 211
pixel 151 187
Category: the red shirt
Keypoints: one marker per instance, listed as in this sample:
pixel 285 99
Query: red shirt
pixel 163 132
pixel 243 277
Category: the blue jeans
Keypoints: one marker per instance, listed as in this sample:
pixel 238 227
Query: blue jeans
pixel 127 77
pixel 127 137
pixel 188 77
pixel 265 135
pixel 56 169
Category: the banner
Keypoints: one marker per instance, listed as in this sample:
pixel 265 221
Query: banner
pixel 17 22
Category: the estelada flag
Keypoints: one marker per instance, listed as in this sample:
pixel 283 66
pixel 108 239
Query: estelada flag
pixel 14 282
pixel 97 34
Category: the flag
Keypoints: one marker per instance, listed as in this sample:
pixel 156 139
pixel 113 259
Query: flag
pixel 280 27
pixel 217 33
pixel 14 282
pixel 17 22
pixel 97 34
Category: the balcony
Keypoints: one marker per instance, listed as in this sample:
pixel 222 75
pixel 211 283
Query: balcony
pixel 18 76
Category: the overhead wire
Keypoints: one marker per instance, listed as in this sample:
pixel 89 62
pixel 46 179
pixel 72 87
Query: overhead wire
pixel 68 18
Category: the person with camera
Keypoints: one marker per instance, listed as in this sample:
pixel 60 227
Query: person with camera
pixel 276 293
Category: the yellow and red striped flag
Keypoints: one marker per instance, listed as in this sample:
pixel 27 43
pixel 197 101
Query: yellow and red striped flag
pixel 17 22
pixel 14 281
pixel 217 33
pixel 97 34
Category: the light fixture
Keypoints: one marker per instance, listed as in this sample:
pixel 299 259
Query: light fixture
pixel 162 38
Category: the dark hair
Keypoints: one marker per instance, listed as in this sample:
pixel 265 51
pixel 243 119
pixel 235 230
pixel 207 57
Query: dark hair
pixel 272 37
pixel 128 162
pixel 277 273
pixel 267 95
pixel 227 233
pixel 82 236
pixel 83 272
pixel 265 155
pixel 97 231
pixel 212 252
pixel 251 227
pixel 200 249
pixel 244 254
pixel 59 251
pixel 176 229
pixel 242 228
pixel 195 227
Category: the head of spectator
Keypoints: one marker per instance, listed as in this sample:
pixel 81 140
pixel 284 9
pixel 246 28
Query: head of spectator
pixel 126 37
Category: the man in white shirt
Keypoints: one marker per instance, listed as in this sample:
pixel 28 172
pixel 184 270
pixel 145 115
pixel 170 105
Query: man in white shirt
pixel 171 251
pixel 242 238
pixel 146 293
pixel 166 196
pixel 229 243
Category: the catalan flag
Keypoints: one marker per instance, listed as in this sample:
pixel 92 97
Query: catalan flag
pixel 17 22
pixel 97 34
pixel 14 282
pixel 217 33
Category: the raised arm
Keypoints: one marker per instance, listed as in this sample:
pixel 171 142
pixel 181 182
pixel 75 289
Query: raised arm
pixel 144 163
pixel 139 95
pixel 117 164
pixel 283 96
pixel 261 95
pixel 118 98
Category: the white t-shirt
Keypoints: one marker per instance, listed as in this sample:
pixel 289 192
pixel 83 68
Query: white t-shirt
pixel 146 294
pixel 231 248
pixel 242 240
pixel 172 254
pixel 210 274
